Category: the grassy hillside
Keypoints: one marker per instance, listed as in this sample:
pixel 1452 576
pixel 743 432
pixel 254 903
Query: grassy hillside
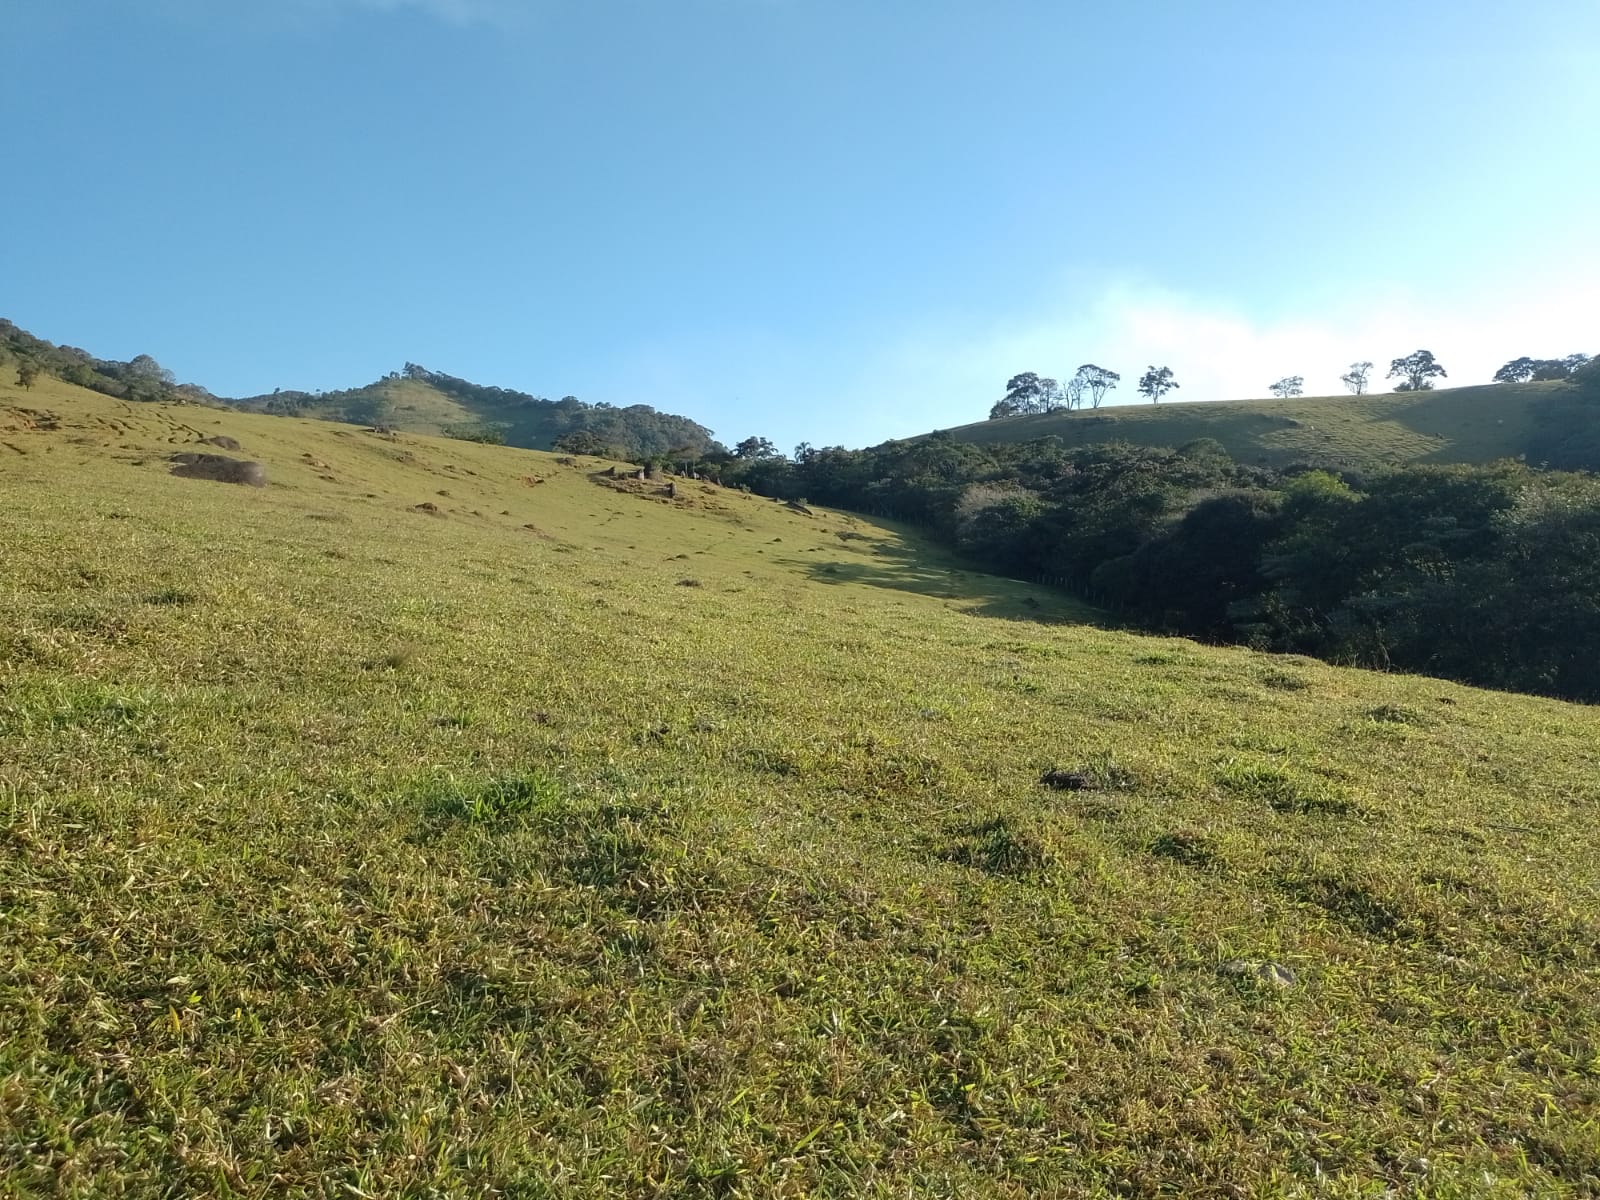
pixel 443 819
pixel 1453 425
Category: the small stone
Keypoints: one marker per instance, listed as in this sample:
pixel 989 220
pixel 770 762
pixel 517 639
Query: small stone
pixel 1271 973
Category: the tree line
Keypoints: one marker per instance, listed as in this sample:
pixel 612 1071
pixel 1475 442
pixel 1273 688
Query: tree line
pixel 140 378
pixel 1485 574
pixel 1030 392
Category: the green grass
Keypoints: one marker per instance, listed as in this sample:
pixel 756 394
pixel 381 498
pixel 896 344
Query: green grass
pixel 352 849
pixel 1454 425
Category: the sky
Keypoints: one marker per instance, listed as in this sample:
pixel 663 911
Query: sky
pixel 832 221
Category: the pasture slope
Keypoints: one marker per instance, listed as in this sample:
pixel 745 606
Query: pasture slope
pixel 561 840
pixel 1451 425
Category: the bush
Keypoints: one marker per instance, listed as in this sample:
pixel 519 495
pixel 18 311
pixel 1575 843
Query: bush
pixel 489 435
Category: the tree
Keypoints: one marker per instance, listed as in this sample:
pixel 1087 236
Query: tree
pixel 1526 370
pixel 1097 381
pixel 1002 408
pixel 27 373
pixel 147 379
pixel 1356 378
pixel 1417 371
pixel 586 441
pixel 1157 383
pixel 1537 370
pixel 1074 391
pixel 756 449
pixel 1028 393
pixel 1289 385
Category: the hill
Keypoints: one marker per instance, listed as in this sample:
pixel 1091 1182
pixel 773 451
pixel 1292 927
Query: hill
pixel 450 819
pixel 1450 425
pixel 416 400
pixel 430 402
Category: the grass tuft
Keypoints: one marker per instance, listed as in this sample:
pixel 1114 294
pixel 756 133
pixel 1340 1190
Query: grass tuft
pixel 497 800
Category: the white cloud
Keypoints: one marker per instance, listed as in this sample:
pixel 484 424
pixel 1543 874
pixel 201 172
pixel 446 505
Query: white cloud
pixel 943 377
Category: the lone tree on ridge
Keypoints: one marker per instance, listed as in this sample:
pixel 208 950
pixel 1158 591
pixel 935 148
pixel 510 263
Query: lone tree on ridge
pixel 1357 377
pixel 1157 383
pixel 1417 371
pixel 1098 381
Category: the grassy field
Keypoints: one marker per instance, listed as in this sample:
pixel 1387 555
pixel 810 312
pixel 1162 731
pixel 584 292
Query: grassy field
pixel 449 820
pixel 1454 425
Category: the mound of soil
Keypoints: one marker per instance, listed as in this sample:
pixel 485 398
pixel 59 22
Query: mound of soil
pixel 219 468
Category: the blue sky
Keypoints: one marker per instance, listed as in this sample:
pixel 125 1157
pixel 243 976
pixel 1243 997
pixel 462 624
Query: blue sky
pixel 825 220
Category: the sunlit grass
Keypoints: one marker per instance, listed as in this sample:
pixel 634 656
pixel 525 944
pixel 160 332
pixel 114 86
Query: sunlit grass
pixel 352 849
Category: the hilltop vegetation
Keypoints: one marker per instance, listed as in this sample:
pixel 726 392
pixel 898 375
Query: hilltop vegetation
pixel 1449 425
pixel 448 819
pixel 25 358
pixel 415 400
pixel 418 400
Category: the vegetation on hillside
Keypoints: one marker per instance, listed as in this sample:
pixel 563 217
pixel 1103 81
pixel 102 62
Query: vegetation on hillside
pixel 1477 424
pixel 423 401
pixel 443 819
pixel 26 358
pixel 415 399
pixel 1030 393
pixel 1488 574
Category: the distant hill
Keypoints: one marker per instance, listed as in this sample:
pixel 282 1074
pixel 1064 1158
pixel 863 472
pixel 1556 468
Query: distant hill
pixel 415 400
pixel 418 400
pixel 1538 421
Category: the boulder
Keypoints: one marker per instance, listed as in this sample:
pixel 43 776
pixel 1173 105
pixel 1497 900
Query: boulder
pixel 219 468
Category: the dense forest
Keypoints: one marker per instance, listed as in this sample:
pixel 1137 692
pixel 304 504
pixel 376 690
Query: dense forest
pixel 1485 574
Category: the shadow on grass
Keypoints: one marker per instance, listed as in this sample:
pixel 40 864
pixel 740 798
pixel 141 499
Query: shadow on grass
pixel 907 568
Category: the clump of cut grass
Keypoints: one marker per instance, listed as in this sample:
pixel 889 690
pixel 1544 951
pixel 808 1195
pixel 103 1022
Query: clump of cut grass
pixel 1397 714
pixel 1284 791
pixel 493 800
pixel 1190 848
pixel 1280 680
pixel 997 846
pixel 396 659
